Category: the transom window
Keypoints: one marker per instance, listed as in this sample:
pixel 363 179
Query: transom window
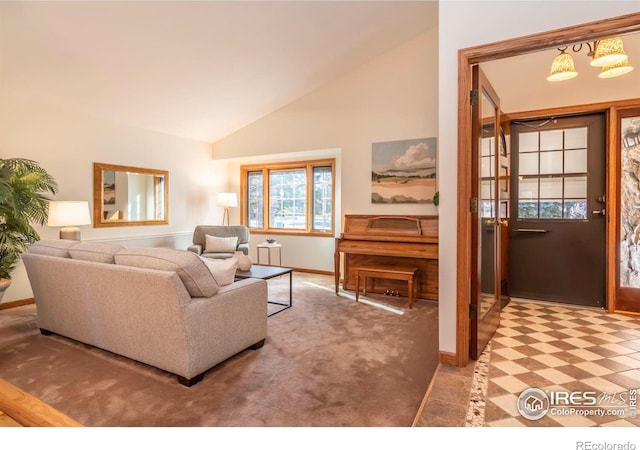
pixel 552 170
pixel 294 197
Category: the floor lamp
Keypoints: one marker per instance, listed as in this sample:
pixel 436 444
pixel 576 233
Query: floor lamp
pixel 227 200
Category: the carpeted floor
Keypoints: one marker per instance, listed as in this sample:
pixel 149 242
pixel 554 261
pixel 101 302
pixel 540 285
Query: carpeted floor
pixel 327 361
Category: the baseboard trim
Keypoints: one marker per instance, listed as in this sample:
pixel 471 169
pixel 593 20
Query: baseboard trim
pixel 448 358
pixel 319 272
pixel 16 303
pixel 426 397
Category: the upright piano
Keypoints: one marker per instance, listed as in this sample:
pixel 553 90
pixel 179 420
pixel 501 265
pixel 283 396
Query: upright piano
pixel 387 240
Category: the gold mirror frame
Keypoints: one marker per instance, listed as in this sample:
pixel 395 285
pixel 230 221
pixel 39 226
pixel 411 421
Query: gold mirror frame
pixel 118 217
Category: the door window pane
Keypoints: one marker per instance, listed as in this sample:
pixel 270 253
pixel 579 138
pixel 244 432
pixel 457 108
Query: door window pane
pixel 528 189
pixel 556 196
pixel 575 138
pixel 550 209
pixel 528 210
pixel 575 209
pixel 551 162
pixel 575 161
pixel 575 187
pixel 551 187
pixel 528 163
pixel 551 140
pixel 528 142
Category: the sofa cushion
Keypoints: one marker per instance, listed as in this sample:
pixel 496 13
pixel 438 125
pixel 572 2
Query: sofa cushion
pixel 95 251
pixel 190 268
pixel 214 244
pixel 53 247
pixel 223 270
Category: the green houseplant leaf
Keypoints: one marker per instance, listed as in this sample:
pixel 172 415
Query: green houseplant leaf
pixel 24 190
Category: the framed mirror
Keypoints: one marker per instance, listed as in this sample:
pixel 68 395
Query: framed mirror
pixel 128 196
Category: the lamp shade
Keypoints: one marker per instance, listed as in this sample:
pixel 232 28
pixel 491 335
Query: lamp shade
pixel 68 213
pixel 562 68
pixel 615 70
pixel 227 199
pixel 608 52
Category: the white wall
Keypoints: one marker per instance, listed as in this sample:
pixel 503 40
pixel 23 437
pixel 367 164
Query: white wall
pixel 393 97
pixel 67 144
pixel 464 24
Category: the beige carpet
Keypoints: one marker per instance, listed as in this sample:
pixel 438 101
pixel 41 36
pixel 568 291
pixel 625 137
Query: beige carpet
pixel 327 361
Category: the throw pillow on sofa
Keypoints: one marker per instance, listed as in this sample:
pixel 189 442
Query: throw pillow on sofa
pixel 95 251
pixel 215 244
pixel 53 247
pixel 223 270
pixel 190 268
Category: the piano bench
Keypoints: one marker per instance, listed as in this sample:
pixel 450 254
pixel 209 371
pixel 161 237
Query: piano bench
pixel 407 274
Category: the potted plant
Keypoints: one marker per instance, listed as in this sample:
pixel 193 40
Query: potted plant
pixel 24 187
pixel 436 198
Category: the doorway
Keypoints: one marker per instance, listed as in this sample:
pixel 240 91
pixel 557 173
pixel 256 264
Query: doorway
pixel 467 58
pixel 557 239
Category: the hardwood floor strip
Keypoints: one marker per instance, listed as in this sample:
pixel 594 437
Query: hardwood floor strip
pixel 28 411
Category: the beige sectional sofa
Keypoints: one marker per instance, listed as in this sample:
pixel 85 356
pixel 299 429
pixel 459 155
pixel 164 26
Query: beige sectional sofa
pixel 158 306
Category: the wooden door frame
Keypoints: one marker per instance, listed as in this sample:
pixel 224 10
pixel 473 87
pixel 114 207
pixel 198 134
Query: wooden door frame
pixel 466 59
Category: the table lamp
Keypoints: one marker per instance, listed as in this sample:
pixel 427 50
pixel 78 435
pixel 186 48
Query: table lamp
pixel 68 215
pixel 227 200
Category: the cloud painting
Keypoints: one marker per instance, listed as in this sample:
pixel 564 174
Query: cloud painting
pixel 403 171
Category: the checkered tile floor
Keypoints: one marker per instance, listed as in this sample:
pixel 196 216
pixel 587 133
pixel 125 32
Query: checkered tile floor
pixel 562 348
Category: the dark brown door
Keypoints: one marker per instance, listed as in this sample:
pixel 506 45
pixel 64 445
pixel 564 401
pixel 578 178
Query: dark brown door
pixel 628 195
pixel 557 245
pixel 487 215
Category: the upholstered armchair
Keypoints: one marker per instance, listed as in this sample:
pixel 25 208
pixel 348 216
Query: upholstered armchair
pixel 220 241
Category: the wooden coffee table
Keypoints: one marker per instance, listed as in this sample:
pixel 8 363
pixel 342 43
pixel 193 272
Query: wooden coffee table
pixel 265 273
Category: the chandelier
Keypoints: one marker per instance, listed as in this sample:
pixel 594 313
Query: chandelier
pixel 608 54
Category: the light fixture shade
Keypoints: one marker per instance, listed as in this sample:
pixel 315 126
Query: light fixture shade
pixel 562 68
pixel 227 199
pixel 615 70
pixel 68 213
pixel 608 52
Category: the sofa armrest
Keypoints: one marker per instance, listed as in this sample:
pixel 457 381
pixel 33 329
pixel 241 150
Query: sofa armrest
pixel 244 248
pixel 195 248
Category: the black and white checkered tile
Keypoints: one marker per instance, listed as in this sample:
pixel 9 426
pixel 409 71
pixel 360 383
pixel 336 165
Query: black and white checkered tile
pixel 563 349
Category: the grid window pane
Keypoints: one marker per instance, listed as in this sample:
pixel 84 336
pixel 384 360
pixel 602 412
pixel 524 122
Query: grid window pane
pixel 528 189
pixel 255 209
pixel 528 164
pixel 322 205
pixel 551 162
pixel 575 161
pixel 575 187
pixel 551 187
pixel 528 142
pixel 287 199
pixel 487 166
pixel 528 210
pixel 575 209
pixel 575 137
pixel 550 209
pixel 487 146
pixel 552 195
pixel 551 140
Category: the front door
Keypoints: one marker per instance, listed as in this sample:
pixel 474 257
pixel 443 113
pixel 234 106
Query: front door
pixel 557 245
pixel 487 215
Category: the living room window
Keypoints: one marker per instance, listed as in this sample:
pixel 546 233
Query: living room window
pixel 289 198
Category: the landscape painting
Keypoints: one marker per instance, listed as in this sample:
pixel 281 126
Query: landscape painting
pixel 403 171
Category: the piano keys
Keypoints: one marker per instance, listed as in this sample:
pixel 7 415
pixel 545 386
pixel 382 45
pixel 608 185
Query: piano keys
pixel 388 240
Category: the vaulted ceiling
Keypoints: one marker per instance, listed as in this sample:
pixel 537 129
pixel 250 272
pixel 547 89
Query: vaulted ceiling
pixel 198 69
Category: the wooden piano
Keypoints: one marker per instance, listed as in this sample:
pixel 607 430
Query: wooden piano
pixel 387 241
